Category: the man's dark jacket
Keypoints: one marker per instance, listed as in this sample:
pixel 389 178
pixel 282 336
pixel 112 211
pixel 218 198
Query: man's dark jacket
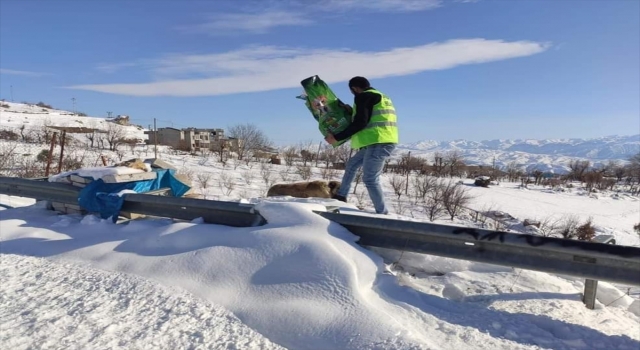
pixel 364 103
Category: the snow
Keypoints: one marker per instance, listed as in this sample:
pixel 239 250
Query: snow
pixel 298 282
pixel 34 118
pixel 96 172
pixel 8 202
pixel 47 304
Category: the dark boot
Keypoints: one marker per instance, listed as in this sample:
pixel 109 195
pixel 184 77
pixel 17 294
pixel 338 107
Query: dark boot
pixel 339 197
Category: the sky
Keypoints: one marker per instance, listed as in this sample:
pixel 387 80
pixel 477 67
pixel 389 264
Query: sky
pixel 455 69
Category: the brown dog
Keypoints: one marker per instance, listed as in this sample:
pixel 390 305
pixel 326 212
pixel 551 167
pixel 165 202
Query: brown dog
pixel 320 189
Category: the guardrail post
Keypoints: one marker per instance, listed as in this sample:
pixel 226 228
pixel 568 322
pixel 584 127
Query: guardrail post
pixel 590 291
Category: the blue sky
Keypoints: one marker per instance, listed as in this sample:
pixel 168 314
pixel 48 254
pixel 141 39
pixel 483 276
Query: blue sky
pixel 455 69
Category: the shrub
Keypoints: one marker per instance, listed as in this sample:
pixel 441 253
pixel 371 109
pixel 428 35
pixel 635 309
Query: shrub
pixel 586 231
pixel 71 163
pixel 8 135
pixel 567 227
pixel 43 156
pixel 43 105
pixel 304 171
pixel 637 228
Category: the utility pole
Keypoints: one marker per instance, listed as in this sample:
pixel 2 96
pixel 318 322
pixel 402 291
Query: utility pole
pixel 155 138
pixel 73 99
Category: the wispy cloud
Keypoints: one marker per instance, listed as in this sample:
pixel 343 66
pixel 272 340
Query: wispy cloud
pixel 256 23
pixel 383 5
pixel 114 67
pixel 267 68
pixel 22 72
pixel 260 17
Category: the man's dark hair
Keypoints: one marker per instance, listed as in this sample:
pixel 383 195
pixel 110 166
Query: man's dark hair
pixel 360 82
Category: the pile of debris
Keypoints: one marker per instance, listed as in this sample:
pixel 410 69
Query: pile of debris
pixel 132 170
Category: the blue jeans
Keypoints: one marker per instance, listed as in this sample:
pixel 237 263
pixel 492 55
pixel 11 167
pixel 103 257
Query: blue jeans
pixel 371 158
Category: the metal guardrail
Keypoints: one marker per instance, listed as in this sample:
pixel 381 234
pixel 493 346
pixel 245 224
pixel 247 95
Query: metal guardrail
pixel 214 212
pixel 593 261
pixel 589 260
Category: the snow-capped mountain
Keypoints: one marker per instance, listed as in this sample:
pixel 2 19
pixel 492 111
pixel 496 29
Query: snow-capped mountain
pixel 548 155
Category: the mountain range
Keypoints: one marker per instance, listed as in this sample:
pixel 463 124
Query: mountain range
pixel 551 155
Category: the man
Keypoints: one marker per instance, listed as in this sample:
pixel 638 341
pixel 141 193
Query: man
pixel 374 134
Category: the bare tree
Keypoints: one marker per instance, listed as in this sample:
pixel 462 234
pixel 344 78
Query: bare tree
pixel 342 153
pixel 634 167
pixel 328 173
pixel 248 176
pixel 8 155
pixel 592 179
pixel 114 135
pixel 289 154
pixel 328 155
pixel 513 171
pixel 397 182
pixel 454 198
pixel 537 175
pixel 227 184
pixel 265 172
pixel 422 185
pixel 131 143
pixel 439 164
pixel 43 133
pixel 304 171
pixel 455 163
pixel 548 226
pixel 91 137
pixel 433 204
pixel 285 174
pixel 578 168
pixel 204 178
pixel 618 171
pixel 249 138
pixel 307 154
pixel 120 153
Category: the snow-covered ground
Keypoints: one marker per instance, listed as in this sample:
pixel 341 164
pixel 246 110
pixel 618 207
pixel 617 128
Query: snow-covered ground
pixel 299 282
pixel 33 118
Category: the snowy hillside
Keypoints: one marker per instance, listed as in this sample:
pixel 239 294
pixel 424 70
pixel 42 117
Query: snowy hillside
pixel 32 118
pixel 546 155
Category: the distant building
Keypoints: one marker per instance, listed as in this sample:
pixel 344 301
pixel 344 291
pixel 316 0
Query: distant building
pixel 193 139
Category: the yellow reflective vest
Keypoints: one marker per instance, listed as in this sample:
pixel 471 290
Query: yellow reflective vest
pixel 382 127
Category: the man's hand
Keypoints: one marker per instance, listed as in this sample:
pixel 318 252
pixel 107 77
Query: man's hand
pixel 346 107
pixel 330 139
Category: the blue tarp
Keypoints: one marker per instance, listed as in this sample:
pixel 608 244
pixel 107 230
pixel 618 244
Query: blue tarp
pixel 101 197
